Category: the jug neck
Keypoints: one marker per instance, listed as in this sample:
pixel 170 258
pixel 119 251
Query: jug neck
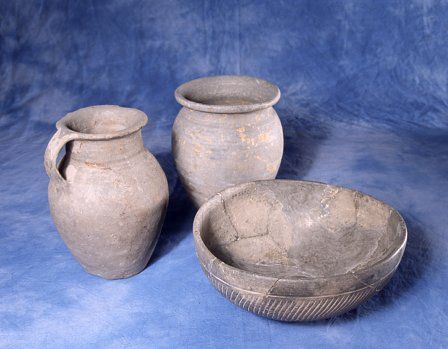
pixel 107 150
pixel 102 133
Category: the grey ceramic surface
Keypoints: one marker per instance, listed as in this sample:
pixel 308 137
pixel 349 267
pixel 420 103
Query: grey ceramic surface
pixel 109 196
pixel 227 133
pixel 296 250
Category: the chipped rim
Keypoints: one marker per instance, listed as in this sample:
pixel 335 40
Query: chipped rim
pixel 247 275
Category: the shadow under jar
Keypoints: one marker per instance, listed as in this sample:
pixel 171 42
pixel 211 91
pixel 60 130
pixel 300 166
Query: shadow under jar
pixel 109 195
pixel 227 133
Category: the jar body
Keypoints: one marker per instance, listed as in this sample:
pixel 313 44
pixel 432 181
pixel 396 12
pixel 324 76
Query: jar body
pixel 213 151
pixel 109 204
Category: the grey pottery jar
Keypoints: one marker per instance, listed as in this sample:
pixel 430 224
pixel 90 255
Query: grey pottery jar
pixel 109 195
pixel 227 133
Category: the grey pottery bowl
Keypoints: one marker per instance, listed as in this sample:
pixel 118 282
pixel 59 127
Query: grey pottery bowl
pixel 295 250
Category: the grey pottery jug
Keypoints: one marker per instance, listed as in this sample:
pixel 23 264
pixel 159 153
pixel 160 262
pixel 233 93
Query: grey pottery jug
pixel 227 133
pixel 109 195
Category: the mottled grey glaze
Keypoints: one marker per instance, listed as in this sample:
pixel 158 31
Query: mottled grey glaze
pixel 227 133
pixel 295 250
pixel 109 196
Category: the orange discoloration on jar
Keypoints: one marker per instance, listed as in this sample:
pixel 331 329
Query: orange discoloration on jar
pixel 226 133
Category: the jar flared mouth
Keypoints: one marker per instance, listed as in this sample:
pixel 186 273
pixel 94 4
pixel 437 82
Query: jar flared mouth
pixel 227 94
pixel 103 121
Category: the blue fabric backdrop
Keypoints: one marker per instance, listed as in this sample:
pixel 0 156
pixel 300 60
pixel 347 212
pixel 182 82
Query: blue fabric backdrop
pixel 364 104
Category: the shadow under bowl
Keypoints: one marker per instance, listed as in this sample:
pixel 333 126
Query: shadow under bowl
pixel 298 250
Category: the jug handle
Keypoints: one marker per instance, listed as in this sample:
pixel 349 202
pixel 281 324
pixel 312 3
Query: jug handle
pixel 57 142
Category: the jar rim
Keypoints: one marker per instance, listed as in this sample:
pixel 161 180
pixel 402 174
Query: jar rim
pixel 227 94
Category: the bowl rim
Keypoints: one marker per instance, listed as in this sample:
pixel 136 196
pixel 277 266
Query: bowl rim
pixel 218 198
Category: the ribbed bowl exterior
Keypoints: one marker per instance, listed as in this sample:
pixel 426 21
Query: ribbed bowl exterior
pixel 293 309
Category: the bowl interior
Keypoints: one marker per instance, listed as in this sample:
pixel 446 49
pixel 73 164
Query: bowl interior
pixel 293 229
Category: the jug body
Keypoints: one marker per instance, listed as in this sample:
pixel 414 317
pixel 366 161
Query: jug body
pixel 109 195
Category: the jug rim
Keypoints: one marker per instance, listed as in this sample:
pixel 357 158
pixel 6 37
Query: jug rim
pixel 103 122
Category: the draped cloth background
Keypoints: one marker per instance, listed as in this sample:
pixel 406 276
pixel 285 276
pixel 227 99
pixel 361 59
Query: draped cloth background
pixel 364 104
